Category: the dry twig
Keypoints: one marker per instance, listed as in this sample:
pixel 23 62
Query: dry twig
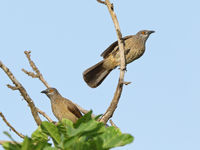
pixel 102 2
pixel 113 124
pixel 45 115
pixel 23 92
pixel 9 125
pixel 35 69
pixel 41 78
pixel 108 114
pixel 12 87
pixel 2 142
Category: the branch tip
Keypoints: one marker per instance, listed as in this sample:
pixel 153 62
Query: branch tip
pixel 27 52
pixel 113 124
pixel 12 87
pixel 102 2
pixel 37 73
pixel 29 73
pixel 23 92
pixel 9 125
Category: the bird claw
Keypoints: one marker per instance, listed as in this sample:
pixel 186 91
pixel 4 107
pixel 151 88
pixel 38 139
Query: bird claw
pixel 126 83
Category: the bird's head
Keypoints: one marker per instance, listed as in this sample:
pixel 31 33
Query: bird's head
pixel 144 33
pixel 50 92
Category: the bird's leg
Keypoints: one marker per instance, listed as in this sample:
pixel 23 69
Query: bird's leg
pixel 123 69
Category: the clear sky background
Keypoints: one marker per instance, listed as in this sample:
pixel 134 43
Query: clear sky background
pixel 161 106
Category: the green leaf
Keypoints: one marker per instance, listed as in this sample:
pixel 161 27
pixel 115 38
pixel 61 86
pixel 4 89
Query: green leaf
pixel 86 128
pixel 86 134
pixel 51 130
pixel 83 119
pixel 65 127
pixel 81 146
pixel 10 146
pixel 38 136
pixel 26 145
pixel 96 143
pixel 77 145
pixel 113 137
pixel 50 148
pixel 93 130
pixel 70 142
pixel 97 117
pixel 66 122
pixel 41 146
pixel 6 133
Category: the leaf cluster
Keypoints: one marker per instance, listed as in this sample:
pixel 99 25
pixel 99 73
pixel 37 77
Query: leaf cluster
pixel 85 134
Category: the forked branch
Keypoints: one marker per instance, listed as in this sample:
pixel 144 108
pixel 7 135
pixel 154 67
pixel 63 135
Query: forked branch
pixel 37 73
pixel 113 105
pixel 11 127
pixel 18 86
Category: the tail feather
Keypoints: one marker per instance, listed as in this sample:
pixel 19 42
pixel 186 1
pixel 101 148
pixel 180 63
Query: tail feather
pixel 95 75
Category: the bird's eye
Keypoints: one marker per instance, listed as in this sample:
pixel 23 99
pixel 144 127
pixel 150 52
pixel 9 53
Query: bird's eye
pixel 50 90
pixel 143 32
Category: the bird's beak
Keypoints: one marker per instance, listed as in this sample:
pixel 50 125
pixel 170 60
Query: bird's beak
pixel 45 92
pixel 151 31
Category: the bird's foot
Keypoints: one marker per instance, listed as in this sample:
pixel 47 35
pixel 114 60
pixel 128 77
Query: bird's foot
pixel 126 83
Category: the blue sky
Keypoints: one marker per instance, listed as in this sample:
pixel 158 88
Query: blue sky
pixel 161 106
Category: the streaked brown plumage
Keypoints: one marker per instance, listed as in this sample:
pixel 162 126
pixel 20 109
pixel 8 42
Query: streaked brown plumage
pixel 62 107
pixel 134 48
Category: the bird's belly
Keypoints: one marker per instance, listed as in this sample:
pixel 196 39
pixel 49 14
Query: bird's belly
pixel 133 55
pixel 60 111
pixel 111 62
pixel 114 60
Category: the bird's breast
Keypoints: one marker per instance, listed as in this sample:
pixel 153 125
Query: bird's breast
pixel 134 54
pixel 60 110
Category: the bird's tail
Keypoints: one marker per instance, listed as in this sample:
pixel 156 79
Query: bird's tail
pixel 95 75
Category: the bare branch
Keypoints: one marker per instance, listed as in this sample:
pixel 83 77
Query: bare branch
pixel 84 111
pixel 9 125
pixel 2 142
pixel 119 88
pixel 12 87
pixel 102 2
pixel 41 78
pixel 113 124
pixel 45 115
pixel 33 75
pixel 23 92
pixel 35 69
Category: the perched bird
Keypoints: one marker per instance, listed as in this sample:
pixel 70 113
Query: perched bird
pixel 134 48
pixel 62 107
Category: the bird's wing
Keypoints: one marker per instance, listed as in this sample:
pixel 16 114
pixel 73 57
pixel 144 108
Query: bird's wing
pixel 73 109
pixel 112 47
